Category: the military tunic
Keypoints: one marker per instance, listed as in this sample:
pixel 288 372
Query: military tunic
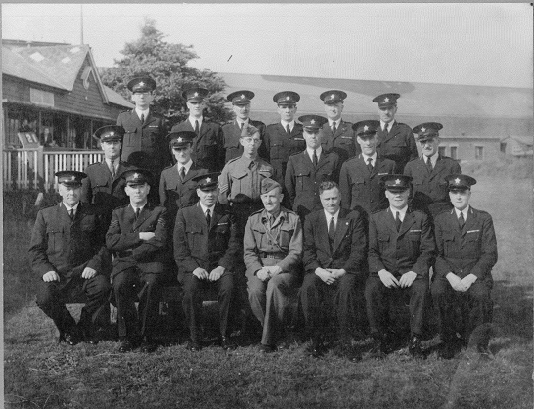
pixel 303 179
pixel 471 249
pixel 208 148
pixel 231 135
pixel 430 192
pixel 398 145
pixel 281 146
pixel 269 245
pixel 343 142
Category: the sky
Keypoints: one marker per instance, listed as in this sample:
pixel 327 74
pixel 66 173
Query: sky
pixel 473 44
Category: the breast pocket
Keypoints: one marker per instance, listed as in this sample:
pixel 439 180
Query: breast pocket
pixel 383 242
pixel 55 238
pixel 448 243
pixel 194 236
pixel 286 232
pixel 130 136
pixel 415 241
pixel 302 180
pixel 471 244
pixel 208 149
pixel 260 236
pixel 277 150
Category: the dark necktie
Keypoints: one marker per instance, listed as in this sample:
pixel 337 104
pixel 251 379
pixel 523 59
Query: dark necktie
pixel 71 214
pixel 142 118
pixel 461 220
pixel 331 230
pixel 334 128
pixel 182 173
pixel 112 169
pixel 241 125
pixel 208 217
pixel 429 165
pixel 370 165
pixel 137 211
pixel 315 160
pixel 386 128
pixel 288 130
pixel 197 127
pixel 398 221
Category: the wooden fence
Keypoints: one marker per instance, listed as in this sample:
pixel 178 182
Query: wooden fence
pixel 34 169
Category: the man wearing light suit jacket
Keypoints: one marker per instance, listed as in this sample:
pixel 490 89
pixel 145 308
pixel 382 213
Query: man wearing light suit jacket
pixel 335 244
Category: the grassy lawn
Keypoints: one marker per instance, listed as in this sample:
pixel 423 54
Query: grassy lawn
pixel 41 374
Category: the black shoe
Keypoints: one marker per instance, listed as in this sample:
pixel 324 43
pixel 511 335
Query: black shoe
pixel 415 348
pixel 126 346
pixel 227 344
pixel 484 351
pixel 70 338
pixel 148 346
pixel 193 346
pixel 267 349
pixel 316 349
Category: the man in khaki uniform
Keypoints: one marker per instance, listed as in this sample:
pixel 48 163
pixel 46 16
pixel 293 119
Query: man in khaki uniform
pixel 272 254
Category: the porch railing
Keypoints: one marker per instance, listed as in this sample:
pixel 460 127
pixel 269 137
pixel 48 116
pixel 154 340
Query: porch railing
pixel 35 168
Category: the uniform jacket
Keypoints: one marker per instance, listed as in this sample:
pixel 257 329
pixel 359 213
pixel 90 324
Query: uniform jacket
pixel 175 193
pixel 198 245
pixel 281 146
pixel 283 239
pixel 430 191
pixel 208 148
pixel 240 180
pixel 349 249
pixel 129 250
pixel 100 188
pixel 398 145
pixel 232 134
pixel 412 248
pixel 144 144
pixel 359 187
pixel 470 250
pixel 343 142
pixel 303 179
pixel 68 246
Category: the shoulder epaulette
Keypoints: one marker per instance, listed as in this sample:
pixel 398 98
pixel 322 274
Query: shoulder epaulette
pixel 168 167
pixel 257 212
pixel 121 206
pixel 377 211
pixel 233 160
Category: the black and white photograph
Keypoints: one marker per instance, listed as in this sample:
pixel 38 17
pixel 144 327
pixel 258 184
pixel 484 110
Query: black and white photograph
pixel 267 205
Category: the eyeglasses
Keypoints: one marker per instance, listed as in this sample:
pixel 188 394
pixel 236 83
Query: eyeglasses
pixel 251 140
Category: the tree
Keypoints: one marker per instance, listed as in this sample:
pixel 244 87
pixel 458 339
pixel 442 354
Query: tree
pixel 168 64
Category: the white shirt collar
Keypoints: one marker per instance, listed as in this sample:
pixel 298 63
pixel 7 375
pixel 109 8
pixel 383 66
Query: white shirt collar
pixel 329 216
pixel 401 211
pixel 465 211
pixel 187 166
pixel 140 207
pixel 389 125
pixel 291 124
pixel 373 157
pixel 433 158
pixel 193 119
pixel 239 121
pixel 205 208
pixel 73 207
pixel 319 150
pixel 331 122
pixel 139 112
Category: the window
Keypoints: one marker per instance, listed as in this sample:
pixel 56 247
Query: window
pixel 454 152
pixel 479 152
pixel 41 97
pixel 503 147
pixel 442 150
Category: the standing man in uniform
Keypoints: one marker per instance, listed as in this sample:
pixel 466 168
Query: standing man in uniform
pixel 401 250
pixel 208 148
pixel 68 253
pixel 144 144
pixel 335 244
pixel 103 185
pixel 284 138
pixel 467 251
pixel 273 253
pixel 177 187
pixel 360 177
pixel 338 134
pixel 138 237
pixel 429 172
pixel 232 130
pixel 395 140
pixel 308 169
pixel 206 251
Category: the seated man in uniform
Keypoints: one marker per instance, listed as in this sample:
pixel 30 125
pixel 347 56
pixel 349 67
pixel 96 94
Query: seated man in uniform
pixel 138 237
pixel 401 250
pixel 272 254
pixel 67 250
pixel 467 251
pixel 206 252
pixel 335 244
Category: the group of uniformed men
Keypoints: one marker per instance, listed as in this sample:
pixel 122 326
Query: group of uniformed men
pixel 369 221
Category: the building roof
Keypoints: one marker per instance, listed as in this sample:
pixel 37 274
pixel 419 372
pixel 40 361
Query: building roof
pixel 417 99
pixel 524 140
pixel 116 98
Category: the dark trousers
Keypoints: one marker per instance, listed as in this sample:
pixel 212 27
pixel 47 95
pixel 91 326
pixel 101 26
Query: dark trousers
pixel 129 286
pixel 321 303
pixel 192 301
pixel 475 307
pixel 52 297
pixel 379 299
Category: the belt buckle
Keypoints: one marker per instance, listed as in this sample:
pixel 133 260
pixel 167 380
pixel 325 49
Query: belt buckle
pixel 270 256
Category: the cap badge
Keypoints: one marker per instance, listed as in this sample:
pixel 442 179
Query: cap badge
pixel 287 98
pixel 208 180
pixel 136 175
pixel 397 181
pixel 72 177
pixel 242 96
pixel 423 129
pixel 365 128
pixel 386 99
pixel 180 139
pixel 111 133
pixel 457 181
pixel 332 96
pixel 196 94
pixel 312 121
pixel 141 84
